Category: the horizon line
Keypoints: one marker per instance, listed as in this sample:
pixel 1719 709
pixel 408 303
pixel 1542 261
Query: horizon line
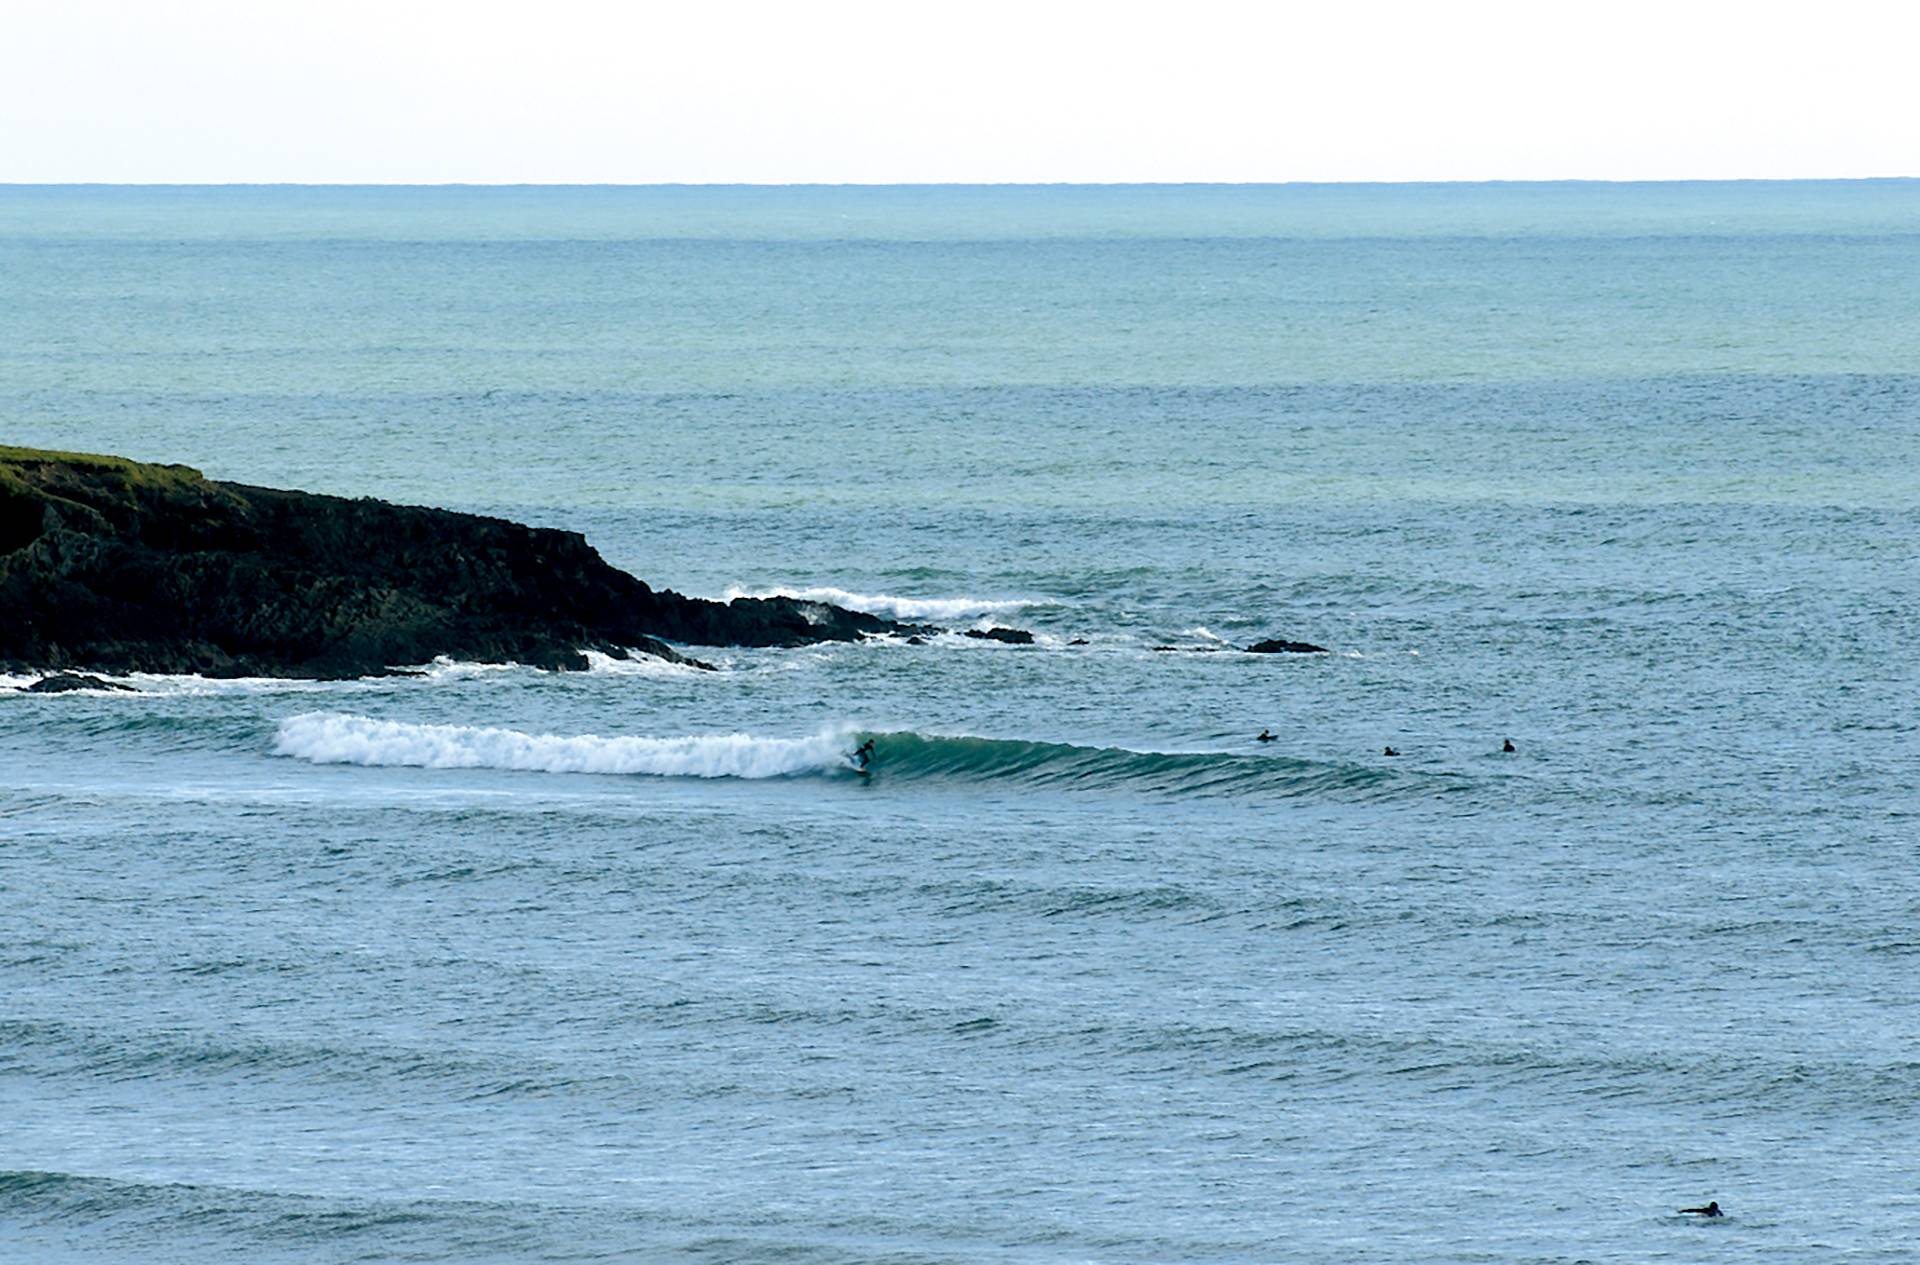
pixel 935 184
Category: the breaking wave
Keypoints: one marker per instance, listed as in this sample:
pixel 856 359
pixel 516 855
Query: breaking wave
pixel 640 665
pixel 891 607
pixel 906 756
pixel 335 738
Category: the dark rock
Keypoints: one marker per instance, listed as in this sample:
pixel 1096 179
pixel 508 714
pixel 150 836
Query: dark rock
pixel 1078 641
pixel 117 566
pixel 1012 636
pixel 1286 647
pixel 1189 649
pixel 916 640
pixel 65 682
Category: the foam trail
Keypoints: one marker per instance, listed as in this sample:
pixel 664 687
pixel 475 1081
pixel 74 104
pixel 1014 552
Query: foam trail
pixel 337 738
pixel 891 607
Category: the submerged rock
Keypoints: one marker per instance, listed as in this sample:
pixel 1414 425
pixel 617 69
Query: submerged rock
pixel 1012 636
pixel 66 682
pixel 117 566
pixel 1286 647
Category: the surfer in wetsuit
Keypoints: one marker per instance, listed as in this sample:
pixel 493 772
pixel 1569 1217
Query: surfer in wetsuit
pixel 1711 1210
pixel 1506 746
pixel 1265 736
pixel 1390 751
pixel 864 753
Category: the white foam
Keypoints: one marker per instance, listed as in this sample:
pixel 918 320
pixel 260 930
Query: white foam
pixel 959 640
pixel 1202 631
pixel 439 671
pixel 639 665
pixel 337 738
pixel 446 669
pixel 139 684
pixel 194 686
pixel 891 607
pixel 442 670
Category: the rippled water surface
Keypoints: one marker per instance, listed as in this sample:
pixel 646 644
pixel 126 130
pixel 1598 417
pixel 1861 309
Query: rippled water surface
pixel 632 964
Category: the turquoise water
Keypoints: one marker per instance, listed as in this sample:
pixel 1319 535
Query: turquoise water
pixel 503 965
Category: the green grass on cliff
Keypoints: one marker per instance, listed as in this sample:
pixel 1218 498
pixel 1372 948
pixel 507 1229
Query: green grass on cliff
pixel 135 474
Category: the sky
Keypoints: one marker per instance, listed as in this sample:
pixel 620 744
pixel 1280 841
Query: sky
pixel 721 91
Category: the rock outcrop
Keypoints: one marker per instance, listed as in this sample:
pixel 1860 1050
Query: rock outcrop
pixel 1270 646
pixel 116 566
pixel 1010 636
pixel 68 682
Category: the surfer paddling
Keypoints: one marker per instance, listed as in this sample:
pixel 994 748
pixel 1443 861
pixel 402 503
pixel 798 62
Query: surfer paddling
pixel 1712 1209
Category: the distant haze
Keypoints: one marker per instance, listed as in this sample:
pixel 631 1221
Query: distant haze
pixel 572 91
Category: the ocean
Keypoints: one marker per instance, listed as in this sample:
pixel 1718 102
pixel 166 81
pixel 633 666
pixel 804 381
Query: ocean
pixel 495 964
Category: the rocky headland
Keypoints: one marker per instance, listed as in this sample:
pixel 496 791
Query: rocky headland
pixel 110 565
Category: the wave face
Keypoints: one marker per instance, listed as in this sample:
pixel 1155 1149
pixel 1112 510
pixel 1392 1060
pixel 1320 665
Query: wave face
pixel 1180 773
pixel 334 738
pixel 906 609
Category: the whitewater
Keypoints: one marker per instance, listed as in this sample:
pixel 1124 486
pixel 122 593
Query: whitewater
pixel 480 962
pixel 326 738
pixel 928 609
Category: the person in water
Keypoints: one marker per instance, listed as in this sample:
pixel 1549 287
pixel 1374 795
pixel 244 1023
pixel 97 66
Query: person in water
pixel 864 753
pixel 1389 751
pixel 1265 736
pixel 1711 1210
pixel 1506 746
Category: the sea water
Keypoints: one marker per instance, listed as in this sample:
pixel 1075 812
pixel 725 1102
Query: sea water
pixel 493 964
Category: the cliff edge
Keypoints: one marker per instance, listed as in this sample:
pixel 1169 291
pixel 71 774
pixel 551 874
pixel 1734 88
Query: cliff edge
pixel 119 566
